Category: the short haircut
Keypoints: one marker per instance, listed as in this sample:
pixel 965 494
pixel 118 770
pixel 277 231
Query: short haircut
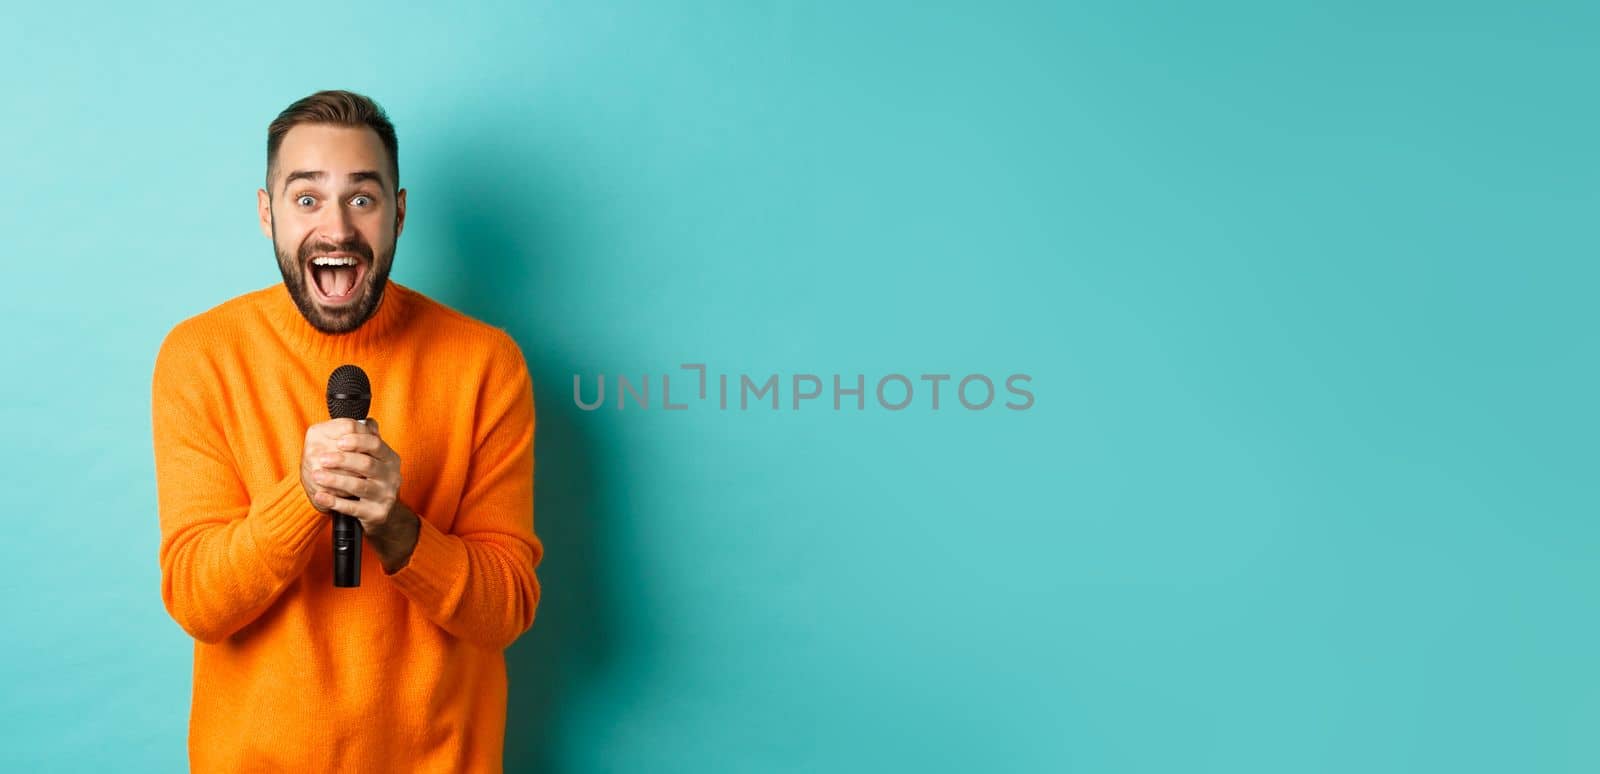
pixel 340 108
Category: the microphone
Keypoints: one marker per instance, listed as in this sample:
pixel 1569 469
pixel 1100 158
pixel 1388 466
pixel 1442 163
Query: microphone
pixel 349 397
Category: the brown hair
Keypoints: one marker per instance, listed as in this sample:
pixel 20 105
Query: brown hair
pixel 338 107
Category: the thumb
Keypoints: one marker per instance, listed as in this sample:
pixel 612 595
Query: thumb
pixel 372 423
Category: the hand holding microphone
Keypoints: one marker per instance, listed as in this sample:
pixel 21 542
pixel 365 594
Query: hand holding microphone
pixel 347 469
pixel 337 449
pixel 322 440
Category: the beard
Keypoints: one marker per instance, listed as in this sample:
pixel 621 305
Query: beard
pixel 334 320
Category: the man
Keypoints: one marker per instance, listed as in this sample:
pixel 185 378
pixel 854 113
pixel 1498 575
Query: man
pixel 406 672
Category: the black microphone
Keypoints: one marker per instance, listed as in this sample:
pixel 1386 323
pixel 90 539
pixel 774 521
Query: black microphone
pixel 349 397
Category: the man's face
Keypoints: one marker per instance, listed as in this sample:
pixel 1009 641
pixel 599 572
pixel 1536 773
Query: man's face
pixel 333 222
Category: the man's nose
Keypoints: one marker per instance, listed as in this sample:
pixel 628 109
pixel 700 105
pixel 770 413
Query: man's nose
pixel 337 226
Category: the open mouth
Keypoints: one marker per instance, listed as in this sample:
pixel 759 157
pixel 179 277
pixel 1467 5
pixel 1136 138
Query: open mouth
pixel 335 278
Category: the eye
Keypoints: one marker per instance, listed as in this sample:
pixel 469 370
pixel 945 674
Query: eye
pixel 363 200
pixel 301 200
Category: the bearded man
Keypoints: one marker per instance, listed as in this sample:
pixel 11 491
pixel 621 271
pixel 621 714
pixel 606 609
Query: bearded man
pixel 404 671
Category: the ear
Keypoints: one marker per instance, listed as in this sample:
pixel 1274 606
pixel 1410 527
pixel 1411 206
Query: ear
pixel 264 211
pixel 399 212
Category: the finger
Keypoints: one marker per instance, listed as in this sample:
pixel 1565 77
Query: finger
pixel 366 444
pixel 354 463
pixel 338 482
pixel 336 428
pixel 356 508
pixel 370 445
pixel 372 424
pixel 322 501
pixel 334 491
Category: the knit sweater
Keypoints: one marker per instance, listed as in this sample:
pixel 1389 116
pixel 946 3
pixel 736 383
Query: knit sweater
pixel 405 673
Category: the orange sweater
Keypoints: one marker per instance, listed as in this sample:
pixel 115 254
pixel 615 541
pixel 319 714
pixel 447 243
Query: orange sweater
pixel 407 672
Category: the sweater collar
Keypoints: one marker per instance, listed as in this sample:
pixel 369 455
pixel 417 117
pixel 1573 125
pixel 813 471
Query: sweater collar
pixel 374 335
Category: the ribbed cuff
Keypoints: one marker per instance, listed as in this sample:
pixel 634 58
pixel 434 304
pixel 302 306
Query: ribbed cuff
pixel 436 574
pixel 284 523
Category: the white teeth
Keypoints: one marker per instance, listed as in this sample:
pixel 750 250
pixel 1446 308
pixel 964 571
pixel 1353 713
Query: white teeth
pixel 331 261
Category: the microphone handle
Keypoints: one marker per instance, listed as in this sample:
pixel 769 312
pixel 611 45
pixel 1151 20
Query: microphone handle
pixel 347 547
pixel 346 550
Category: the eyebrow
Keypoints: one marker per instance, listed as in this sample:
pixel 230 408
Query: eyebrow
pixel 317 174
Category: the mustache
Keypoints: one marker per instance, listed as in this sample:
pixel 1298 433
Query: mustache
pixel 354 247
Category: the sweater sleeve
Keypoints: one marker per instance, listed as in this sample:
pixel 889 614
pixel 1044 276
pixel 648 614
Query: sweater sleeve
pixel 477 582
pixel 225 554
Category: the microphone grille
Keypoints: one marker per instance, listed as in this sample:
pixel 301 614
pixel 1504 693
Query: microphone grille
pixel 349 393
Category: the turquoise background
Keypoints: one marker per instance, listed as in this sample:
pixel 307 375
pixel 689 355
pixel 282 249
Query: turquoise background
pixel 1304 289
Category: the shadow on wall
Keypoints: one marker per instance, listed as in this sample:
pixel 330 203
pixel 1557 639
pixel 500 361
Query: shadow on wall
pixel 494 206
